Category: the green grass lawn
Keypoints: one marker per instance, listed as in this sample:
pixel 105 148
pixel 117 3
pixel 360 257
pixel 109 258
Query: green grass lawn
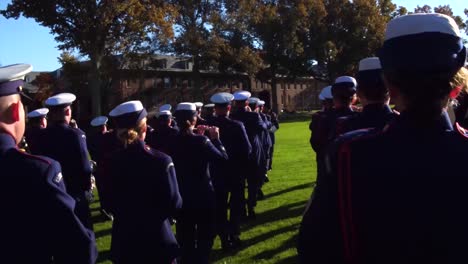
pixel 271 238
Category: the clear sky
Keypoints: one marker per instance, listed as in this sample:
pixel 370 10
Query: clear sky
pixel 25 41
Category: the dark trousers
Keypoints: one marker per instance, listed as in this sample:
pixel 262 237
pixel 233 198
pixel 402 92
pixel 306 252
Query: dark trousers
pixel 270 160
pixel 254 183
pixel 82 210
pixel 195 234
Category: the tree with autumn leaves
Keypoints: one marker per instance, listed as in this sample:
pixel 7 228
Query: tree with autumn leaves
pixel 263 38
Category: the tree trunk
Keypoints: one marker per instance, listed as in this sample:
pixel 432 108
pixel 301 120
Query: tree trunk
pixel 95 86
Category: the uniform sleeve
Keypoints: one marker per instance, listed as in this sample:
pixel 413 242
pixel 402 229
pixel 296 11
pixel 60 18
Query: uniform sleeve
pixel 320 239
pixel 244 143
pixel 260 124
pixel 214 150
pixel 319 133
pixel 83 163
pixel 73 242
pixel 172 197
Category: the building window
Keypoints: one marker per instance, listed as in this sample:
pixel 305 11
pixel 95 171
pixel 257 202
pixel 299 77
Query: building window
pixel 282 99
pixel 289 99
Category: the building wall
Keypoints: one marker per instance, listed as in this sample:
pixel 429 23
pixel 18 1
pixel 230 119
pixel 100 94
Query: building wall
pixel 292 95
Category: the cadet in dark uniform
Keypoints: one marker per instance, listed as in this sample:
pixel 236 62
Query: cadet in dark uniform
pixel 39 225
pixel 374 98
pixel 207 112
pixel 168 107
pixel 95 140
pixel 254 127
pixel 192 155
pixel 162 137
pixel 256 104
pixel 200 119
pixel 145 193
pixel 37 122
pixel 229 176
pixel 358 217
pixel 273 117
pixel 67 145
pixel 319 135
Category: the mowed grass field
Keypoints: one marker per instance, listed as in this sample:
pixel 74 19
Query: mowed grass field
pixel 271 238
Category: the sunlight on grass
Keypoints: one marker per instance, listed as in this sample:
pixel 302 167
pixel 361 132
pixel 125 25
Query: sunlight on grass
pixel 272 237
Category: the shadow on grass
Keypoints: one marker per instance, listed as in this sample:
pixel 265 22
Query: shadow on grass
pixel 291 189
pixel 103 233
pixel 103 256
pixel 288 244
pixel 281 213
pixel 218 254
pixel 288 260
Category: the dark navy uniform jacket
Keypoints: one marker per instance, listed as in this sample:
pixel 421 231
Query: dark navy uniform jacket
pixel 396 196
pixel 94 141
pixel 273 118
pixel 266 140
pixel 254 126
pixel 161 138
pixel 38 221
pixel 192 155
pixel 145 195
pixel 67 145
pixel 33 137
pixel 235 140
pixel 372 116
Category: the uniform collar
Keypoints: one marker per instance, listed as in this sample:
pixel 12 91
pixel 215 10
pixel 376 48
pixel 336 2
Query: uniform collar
pixel 6 141
pixel 380 108
pixel 439 124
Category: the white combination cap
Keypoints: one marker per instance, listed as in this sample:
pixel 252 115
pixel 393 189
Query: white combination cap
pixel 346 79
pixel 164 113
pixel 126 108
pixel 253 100
pixel 61 99
pixel 209 106
pixel 421 23
pixel 128 114
pixel 261 103
pixel 198 105
pixel 242 95
pixel 326 93
pixel 370 64
pixel 186 106
pixel 99 121
pixel 41 112
pixel 222 98
pixel 165 107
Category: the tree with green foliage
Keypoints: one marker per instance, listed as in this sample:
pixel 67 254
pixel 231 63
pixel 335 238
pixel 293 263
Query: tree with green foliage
pixel 99 28
pixel 277 29
pixel 442 9
pixel 350 31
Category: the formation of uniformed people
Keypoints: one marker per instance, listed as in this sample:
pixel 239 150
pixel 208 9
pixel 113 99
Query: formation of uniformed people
pixel 193 172
pixel 391 187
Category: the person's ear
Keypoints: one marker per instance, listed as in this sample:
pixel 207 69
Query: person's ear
pixel 68 111
pixel 15 112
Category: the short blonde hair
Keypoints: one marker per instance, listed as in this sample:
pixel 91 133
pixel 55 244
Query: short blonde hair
pixel 460 80
pixel 129 136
